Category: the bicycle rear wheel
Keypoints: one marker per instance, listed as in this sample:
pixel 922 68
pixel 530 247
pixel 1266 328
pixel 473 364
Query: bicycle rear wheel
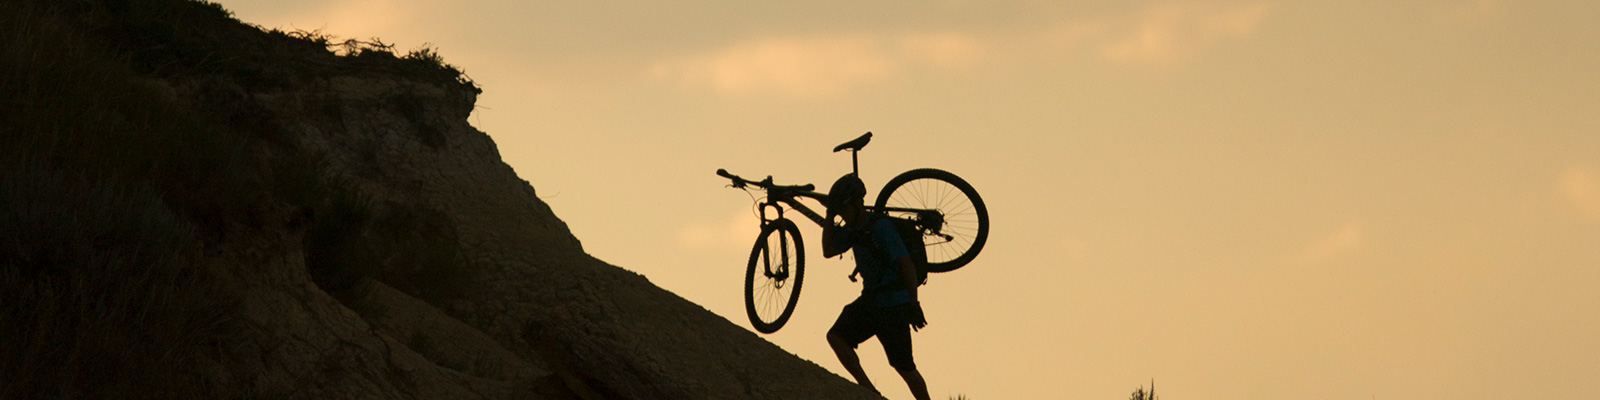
pixel 958 222
pixel 772 280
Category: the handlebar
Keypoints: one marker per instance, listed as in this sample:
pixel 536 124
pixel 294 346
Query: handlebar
pixel 764 184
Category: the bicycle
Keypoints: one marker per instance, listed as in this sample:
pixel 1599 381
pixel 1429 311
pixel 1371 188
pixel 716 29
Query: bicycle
pixel 944 207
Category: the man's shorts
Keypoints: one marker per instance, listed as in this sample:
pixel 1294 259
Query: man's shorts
pixel 861 320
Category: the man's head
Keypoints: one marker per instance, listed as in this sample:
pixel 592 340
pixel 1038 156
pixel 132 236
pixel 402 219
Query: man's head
pixel 845 198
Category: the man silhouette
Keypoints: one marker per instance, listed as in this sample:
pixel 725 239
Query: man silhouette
pixel 887 307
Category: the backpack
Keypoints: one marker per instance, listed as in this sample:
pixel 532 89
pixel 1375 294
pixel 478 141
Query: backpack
pixel 911 236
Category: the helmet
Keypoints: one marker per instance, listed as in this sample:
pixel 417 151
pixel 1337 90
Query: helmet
pixel 847 188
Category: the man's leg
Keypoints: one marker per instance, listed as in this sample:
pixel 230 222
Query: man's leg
pixel 919 387
pixel 896 339
pixel 853 327
pixel 847 356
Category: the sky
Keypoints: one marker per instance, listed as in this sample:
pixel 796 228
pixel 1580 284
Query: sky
pixel 1233 199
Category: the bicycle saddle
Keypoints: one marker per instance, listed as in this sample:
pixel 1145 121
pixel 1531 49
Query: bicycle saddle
pixel 854 145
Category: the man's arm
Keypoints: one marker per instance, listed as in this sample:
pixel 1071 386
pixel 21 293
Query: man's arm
pixel 908 274
pixel 829 249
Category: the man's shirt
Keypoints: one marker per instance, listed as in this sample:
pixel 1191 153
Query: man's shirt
pixel 879 277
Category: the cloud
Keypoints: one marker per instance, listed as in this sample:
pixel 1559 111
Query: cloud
pixel 349 18
pixel 1162 33
pixel 817 66
pixel 827 65
pixel 943 49
pixel 1165 33
pixel 1580 187
pixel 1347 239
pixel 794 66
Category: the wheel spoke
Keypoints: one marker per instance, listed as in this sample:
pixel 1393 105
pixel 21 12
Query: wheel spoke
pixel 944 195
pixel 964 218
pixel 771 293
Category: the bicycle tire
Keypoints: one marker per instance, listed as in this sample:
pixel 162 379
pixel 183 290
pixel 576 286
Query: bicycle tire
pixel 767 286
pixel 965 217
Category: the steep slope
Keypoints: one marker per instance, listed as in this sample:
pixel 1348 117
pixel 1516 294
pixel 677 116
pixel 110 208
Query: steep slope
pixel 340 230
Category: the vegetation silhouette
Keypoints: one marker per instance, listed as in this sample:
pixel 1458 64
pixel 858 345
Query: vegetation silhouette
pixel 110 186
pixel 1141 394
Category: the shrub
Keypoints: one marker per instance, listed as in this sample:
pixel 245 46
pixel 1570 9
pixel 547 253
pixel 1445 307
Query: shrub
pixel 99 297
pixel 1141 394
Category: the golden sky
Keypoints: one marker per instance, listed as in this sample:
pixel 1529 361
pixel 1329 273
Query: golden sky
pixel 1237 199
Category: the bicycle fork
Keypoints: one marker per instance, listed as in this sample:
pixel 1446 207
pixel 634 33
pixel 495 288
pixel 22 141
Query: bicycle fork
pixel 779 275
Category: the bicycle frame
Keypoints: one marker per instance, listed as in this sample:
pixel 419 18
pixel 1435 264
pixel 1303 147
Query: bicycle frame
pixel 789 195
pixel 929 220
pixel 783 194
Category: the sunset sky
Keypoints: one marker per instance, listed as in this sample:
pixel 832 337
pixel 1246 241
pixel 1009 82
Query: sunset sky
pixel 1236 199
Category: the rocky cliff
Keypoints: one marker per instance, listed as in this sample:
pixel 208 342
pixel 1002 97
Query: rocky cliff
pixel 196 207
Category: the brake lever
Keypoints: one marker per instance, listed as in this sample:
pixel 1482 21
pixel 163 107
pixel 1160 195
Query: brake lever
pixel 737 183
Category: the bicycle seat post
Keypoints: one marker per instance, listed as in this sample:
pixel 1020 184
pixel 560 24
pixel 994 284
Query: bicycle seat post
pixel 854 146
pixel 855 167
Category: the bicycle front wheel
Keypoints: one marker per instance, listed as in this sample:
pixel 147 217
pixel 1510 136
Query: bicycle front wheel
pixel 772 281
pixel 957 222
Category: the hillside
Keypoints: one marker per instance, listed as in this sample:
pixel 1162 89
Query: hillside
pixel 194 207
